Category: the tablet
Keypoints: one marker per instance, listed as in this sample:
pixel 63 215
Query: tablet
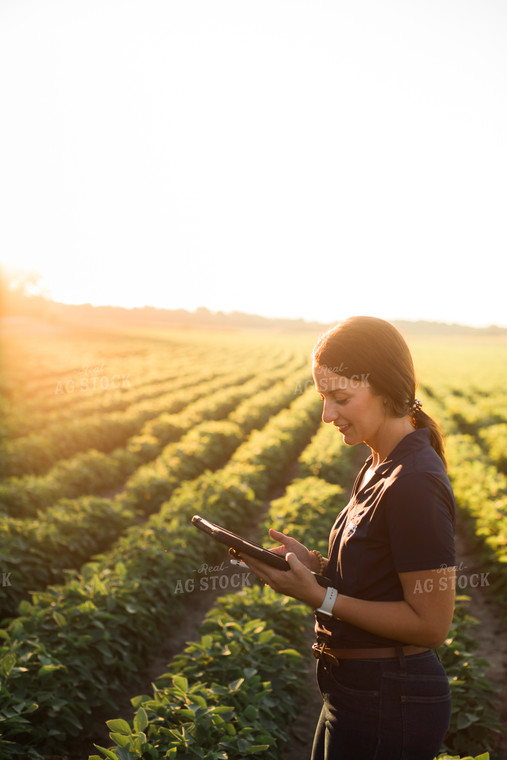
pixel 240 545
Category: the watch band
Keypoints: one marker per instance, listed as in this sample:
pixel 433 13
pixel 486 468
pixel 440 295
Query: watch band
pixel 326 608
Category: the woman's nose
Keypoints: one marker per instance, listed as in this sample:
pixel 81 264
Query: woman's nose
pixel 328 411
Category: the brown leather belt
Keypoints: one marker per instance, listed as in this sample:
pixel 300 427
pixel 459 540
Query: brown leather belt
pixel 321 650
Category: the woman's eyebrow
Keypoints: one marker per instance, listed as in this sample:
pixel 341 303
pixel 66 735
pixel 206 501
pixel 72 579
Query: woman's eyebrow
pixel 328 391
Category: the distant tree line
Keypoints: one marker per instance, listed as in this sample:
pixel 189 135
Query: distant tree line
pixel 21 296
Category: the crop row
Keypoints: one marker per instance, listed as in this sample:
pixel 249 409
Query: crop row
pixel 103 392
pixel 36 453
pixel 229 695
pixel 471 413
pixel 93 471
pixel 328 458
pixel 193 710
pixel 494 441
pixel 475 461
pixel 104 429
pixel 38 556
pixel 481 495
pixel 155 482
pixel 108 381
pixel 34 553
pixel 86 392
pixel 33 366
pixel 96 630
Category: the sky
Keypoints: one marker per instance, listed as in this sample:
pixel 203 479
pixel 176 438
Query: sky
pixel 293 158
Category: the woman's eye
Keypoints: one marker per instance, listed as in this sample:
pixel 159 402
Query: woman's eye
pixel 341 400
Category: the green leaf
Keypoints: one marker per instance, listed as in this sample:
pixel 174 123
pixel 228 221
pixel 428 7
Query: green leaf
pixel 463 721
pixel 120 569
pixel 123 754
pixel 24 607
pixel 120 739
pixel 120 726
pixel 250 713
pixel 292 652
pixel 107 752
pixel 140 720
pixel 59 619
pixel 181 683
pixel 185 712
pixel 46 669
pixel 98 586
pixel 6 664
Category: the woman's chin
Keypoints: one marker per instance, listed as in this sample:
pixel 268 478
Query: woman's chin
pixel 348 435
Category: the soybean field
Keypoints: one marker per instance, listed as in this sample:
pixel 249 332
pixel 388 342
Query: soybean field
pixel 125 632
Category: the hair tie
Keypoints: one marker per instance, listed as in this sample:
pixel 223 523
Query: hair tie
pixel 416 407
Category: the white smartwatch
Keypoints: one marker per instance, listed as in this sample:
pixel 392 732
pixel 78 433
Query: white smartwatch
pixel 326 608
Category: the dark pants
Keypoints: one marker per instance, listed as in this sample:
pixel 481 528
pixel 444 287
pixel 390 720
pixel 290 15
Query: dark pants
pixel 382 709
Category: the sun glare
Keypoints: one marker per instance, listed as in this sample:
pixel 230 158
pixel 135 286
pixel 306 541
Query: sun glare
pixel 266 160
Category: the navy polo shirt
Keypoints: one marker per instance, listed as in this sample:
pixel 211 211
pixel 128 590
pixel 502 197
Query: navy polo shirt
pixel 403 519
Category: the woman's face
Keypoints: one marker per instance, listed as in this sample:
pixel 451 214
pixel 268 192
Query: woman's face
pixel 350 405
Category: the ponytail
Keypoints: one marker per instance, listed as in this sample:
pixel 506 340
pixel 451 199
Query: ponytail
pixel 422 420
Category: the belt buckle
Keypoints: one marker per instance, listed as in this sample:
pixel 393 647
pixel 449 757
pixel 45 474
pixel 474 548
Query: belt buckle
pixel 320 653
pixel 318 649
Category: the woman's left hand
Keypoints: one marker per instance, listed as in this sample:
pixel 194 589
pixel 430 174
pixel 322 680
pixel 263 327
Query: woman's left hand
pixel 298 582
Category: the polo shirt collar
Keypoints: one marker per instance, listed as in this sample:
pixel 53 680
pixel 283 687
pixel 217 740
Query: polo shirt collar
pixel 414 441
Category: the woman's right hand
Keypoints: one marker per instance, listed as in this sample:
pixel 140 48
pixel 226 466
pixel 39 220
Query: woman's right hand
pixel 289 544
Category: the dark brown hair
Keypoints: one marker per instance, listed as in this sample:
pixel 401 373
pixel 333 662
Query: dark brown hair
pixel 374 352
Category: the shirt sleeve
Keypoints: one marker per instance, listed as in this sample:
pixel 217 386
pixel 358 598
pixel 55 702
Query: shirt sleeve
pixel 421 516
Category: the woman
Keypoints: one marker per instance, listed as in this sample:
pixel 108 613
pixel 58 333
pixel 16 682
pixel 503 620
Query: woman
pixel 391 560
